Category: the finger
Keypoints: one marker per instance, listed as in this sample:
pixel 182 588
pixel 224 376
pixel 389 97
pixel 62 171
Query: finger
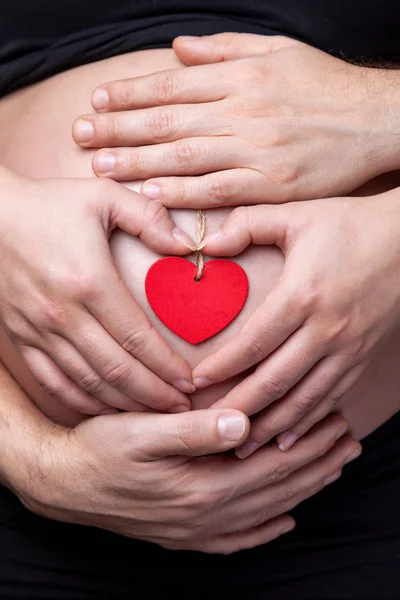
pixel 251 510
pixel 275 376
pixel 176 86
pixel 57 385
pixel 114 307
pixel 259 225
pixel 297 403
pixel 226 46
pixel 150 126
pixel 138 216
pixel 108 298
pixel 327 405
pixel 193 156
pixel 233 187
pixel 269 326
pixel 89 379
pixel 112 366
pixel 270 464
pixel 195 433
pixel 244 540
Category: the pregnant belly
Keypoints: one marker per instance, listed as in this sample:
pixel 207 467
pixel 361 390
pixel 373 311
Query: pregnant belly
pixel 36 142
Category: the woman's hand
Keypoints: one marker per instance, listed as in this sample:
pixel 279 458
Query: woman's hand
pixel 334 307
pixel 278 121
pixel 64 305
pixel 146 475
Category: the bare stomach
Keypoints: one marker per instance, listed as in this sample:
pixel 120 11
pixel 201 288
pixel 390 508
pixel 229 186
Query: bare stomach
pixel 36 141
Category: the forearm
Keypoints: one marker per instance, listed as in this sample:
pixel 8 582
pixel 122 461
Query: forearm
pixel 379 102
pixel 25 438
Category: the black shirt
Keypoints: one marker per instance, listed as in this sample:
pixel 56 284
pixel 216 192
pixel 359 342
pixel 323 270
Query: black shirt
pixel 39 38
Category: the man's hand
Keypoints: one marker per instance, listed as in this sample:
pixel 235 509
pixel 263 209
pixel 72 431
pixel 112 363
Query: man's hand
pixel 64 305
pixel 335 306
pixel 253 120
pixel 159 478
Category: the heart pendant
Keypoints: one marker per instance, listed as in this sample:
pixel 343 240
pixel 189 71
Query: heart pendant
pixel 196 310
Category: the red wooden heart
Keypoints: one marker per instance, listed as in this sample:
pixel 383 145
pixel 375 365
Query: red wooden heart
pixel 196 310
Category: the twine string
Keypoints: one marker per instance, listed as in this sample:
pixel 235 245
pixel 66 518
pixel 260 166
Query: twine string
pixel 201 230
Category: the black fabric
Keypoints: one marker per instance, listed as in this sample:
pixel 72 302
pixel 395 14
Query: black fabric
pixel 347 541
pixel 346 546
pixel 39 38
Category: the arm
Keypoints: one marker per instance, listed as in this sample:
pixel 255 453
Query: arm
pixel 255 119
pixel 334 309
pixel 127 464
pixel 64 305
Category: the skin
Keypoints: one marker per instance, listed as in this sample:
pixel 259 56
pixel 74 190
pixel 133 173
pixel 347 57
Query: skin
pixel 151 480
pixel 53 105
pixel 238 138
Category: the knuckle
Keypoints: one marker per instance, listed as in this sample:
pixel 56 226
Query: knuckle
pixel 254 350
pixel 54 389
pixel 302 404
pixel 134 161
pixel 112 128
pixel 90 382
pixel 278 471
pixel 273 389
pixel 165 88
pixel 123 94
pixel 52 316
pixel 136 342
pixel 186 153
pixel 255 73
pixel 220 191
pixel 162 124
pixel 154 214
pixel 308 297
pixel 117 375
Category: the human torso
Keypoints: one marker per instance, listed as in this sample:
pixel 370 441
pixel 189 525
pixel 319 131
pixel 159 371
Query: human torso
pixel 36 141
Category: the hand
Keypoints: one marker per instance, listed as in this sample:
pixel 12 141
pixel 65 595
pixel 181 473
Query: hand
pixel 278 121
pixel 335 306
pixel 64 305
pixel 145 476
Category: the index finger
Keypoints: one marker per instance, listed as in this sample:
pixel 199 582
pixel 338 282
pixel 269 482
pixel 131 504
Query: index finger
pixel 277 318
pixel 270 465
pixel 176 86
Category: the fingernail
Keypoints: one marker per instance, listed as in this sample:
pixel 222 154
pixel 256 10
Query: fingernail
pixel 184 238
pixel 83 131
pixel 247 449
pixel 184 386
pixel 179 409
pixel 105 162
pixel 288 528
pixel 353 456
pixel 333 478
pixel 231 427
pixel 188 38
pixel 100 99
pixel 151 190
pixel 201 382
pixel 209 238
pixel 287 441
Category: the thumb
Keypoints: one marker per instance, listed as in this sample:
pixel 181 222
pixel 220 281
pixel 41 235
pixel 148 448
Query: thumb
pixel 264 225
pixel 194 433
pixel 147 219
pixel 226 46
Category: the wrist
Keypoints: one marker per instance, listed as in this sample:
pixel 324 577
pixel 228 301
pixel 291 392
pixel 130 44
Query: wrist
pixel 29 445
pixel 378 104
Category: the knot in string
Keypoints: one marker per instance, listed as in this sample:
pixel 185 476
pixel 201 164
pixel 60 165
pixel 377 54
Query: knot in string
pixel 199 257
